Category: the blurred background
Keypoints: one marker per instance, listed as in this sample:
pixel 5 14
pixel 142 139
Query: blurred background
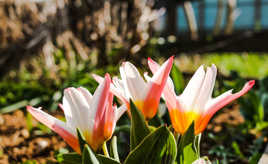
pixel 48 45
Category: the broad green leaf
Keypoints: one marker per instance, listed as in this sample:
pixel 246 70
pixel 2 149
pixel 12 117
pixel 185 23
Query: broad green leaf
pixel 158 147
pixel 81 139
pixel 88 156
pixel 69 158
pixel 255 158
pixel 139 128
pixel 177 78
pixel 106 160
pixel 187 151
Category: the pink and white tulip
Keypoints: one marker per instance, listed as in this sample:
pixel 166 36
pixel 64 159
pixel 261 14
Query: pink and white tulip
pixel 196 102
pixel 201 161
pixel 145 94
pixel 94 115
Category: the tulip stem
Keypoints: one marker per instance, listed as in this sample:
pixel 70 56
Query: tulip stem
pixel 114 148
pixel 105 150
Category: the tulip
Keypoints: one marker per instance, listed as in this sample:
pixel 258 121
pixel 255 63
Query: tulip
pixel 196 102
pixel 201 161
pixel 94 115
pixel 145 95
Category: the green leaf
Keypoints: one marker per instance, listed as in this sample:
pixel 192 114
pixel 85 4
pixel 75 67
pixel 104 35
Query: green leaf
pixel 255 158
pixel 81 139
pixel 264 102
pixel 139 129
pixel 20 104
pixel 187 150
pixel 69 158
pixel 30 162
pixel 88 156
pixel 237 150
pixel 106 160
pixel 29 122
pixel 158 147
pixel 177 78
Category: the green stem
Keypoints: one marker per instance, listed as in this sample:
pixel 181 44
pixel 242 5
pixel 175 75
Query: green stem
pixel 114 147
pixel 105 150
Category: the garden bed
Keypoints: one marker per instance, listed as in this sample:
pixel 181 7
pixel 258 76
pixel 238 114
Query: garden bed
pixel 23 138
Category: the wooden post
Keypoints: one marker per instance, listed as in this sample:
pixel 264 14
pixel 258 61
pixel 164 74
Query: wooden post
pixel 171 21
pixel 257 15
pixel 219 17
pixel 201 14
pixel 190 17
pixel 231 16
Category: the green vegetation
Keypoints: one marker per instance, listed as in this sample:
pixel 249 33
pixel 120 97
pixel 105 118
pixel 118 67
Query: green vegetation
pixel 246 64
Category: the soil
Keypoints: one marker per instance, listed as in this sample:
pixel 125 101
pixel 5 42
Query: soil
pixel 17 144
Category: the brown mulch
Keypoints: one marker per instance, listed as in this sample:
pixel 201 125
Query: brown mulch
pixel 17 144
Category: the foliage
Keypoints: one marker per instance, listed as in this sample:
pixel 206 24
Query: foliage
pixel 46 90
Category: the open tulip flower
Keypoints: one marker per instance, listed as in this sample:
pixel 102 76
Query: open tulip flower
pixel 145 95
pixel 195 103
pixel 94 115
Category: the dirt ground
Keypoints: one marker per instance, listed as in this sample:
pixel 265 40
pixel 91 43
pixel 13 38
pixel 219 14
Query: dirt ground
pixel 18 145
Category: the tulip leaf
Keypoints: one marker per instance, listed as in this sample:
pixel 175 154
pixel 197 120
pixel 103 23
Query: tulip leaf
pixel 106 160
pixel 187 149
pixel 88 156
pixel 156 148
pixel 81 139
pixel 139 129
pixel 69 158
pixel 177 78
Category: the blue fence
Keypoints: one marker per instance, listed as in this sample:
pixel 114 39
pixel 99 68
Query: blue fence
pixel 251 15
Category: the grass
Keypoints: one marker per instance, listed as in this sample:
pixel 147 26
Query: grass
pixel 246 64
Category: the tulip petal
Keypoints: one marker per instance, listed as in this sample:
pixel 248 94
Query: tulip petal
pixel 133 81
pixel 88 96
pixel 192 89
pixel 206 89
pixel 219 102
pixel 68 115
pixel 56 125
pixel 120 111
pixel 98 78
pixel 99 102
pixel 79 107
pixel 154 66
pixel 222 101
pixel 104 126
pixel 169 94
pixel 117 88
pixel 109 120
pixel 156 87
